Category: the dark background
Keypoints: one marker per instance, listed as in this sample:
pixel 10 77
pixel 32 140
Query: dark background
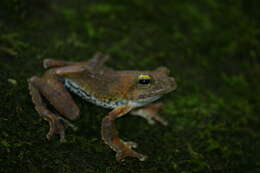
pixel 212 48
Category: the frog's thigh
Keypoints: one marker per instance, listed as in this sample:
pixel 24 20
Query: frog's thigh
pixel 58 96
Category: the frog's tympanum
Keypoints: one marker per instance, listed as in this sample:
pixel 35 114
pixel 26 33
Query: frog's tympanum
pixel 122 91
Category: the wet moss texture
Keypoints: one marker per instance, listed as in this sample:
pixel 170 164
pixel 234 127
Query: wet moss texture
pixel 212 48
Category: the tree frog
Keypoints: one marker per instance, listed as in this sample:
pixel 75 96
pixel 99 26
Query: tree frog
pixel 121 91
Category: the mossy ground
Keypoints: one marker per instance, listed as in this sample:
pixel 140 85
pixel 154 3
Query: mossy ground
pixel 212 48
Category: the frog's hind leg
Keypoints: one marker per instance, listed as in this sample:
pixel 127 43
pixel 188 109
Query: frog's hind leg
pixel 56 94
pixel 150 113
pixel 110 135
pixel 96 62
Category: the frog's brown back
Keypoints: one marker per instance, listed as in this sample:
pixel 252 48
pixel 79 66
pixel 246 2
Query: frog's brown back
pixel 104 89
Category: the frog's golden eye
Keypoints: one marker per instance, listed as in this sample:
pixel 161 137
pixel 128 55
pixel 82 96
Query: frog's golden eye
pixel 144 79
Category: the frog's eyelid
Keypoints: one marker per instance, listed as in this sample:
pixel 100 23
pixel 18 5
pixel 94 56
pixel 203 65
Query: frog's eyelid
pixel 144 76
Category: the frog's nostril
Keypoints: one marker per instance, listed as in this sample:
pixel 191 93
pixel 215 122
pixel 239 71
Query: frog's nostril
pixel 172 80
pixel 173 83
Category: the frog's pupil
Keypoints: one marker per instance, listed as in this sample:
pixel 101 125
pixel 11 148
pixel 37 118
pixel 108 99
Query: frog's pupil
pixel 144 81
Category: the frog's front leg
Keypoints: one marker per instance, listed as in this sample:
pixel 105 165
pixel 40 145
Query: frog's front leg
pixel 57 95
pixel 150 113
pixel 110 135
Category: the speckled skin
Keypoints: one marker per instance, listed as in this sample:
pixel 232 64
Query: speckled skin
pixel 103 86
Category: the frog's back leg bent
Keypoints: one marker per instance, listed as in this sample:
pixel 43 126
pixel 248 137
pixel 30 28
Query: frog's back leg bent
pixel 96 62
pixel 57 95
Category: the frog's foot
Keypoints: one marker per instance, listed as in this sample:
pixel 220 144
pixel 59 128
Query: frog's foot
pixel 58 126
pixel 128 152
pixel 150 113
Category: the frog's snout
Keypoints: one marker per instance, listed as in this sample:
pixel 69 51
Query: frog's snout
pixel 172 83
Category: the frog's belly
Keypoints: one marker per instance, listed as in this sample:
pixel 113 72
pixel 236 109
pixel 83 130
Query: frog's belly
pixel 72 86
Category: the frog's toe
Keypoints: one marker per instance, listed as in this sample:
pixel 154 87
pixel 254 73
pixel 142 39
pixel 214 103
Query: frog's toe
pixel 131 144
pixel 120 156
pixel 128 152
pixel 53 131
pixel 58 126
pixel 161 120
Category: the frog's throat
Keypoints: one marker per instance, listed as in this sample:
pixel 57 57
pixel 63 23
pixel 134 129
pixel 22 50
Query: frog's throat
pixel 75 88
pixel 144 101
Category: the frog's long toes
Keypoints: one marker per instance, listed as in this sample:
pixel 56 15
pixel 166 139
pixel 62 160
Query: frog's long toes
pixel 150 121
pixel 46 63
pixel 58 126
pixel 161 120
pixel 62 136
pixel 120 157
pixel 50 133
pixel 68 124
pixel 143 158
pixel 128 152
pixel 131 144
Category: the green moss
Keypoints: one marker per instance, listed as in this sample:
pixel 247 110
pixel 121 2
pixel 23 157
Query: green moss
pixel 211 47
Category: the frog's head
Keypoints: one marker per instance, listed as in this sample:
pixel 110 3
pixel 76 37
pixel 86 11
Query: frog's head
pixel 151 85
